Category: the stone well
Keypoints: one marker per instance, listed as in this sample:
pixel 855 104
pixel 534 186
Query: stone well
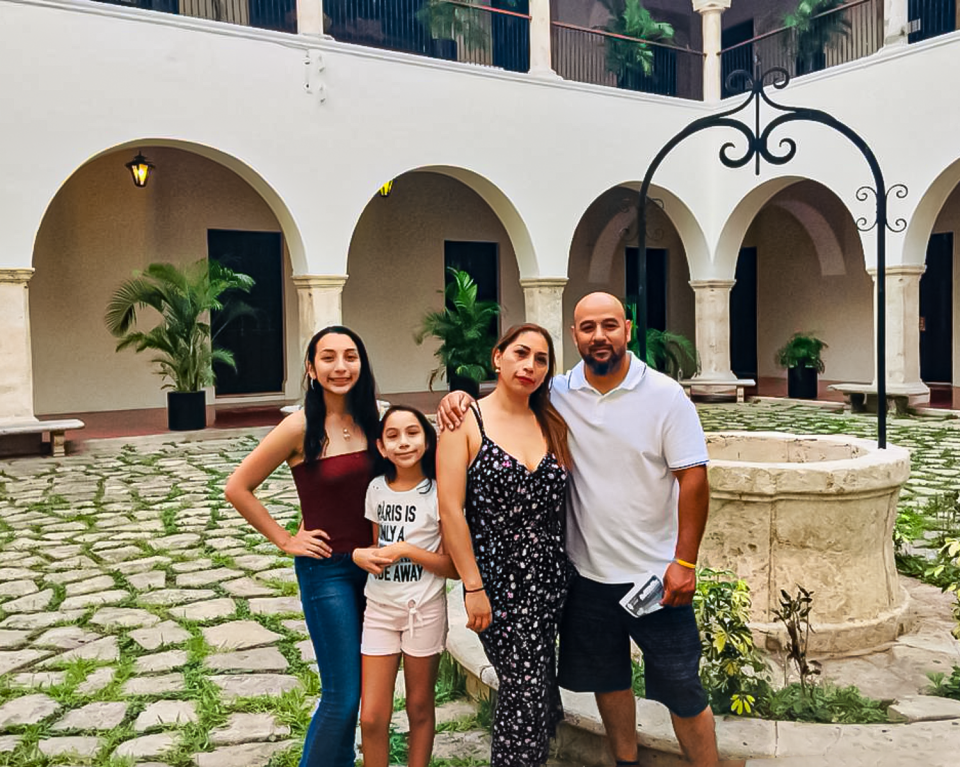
pixel 816 511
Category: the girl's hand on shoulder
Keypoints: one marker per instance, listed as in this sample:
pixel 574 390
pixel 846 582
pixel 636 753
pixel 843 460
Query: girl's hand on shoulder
pixel 307 543
pixel 371 559
pixel 479 613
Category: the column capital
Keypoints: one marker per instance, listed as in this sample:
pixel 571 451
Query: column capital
pixel 18 276
pixel 310 281
pixel 898 270
pixel 712 284
pixel 543 282
pixel 703 6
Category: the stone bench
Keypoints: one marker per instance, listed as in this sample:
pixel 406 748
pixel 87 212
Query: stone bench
pixel 714 388
pixel 55 428
pixel 863 398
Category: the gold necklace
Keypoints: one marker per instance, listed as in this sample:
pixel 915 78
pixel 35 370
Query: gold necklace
pixel 346 434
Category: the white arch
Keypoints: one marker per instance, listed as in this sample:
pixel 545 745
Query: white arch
pixel 291 232
pixel 925 216
pixel 688 229
pixel 825 240
pixel 491 194
pixel 738 222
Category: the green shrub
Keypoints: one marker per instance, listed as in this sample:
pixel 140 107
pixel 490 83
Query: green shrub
pixel 731 668
pixel 945 686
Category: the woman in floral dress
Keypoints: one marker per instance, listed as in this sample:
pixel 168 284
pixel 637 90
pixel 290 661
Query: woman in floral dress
pixel 501 485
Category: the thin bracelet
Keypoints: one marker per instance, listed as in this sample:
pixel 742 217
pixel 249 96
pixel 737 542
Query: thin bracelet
pixel 688 565
pixel 473 591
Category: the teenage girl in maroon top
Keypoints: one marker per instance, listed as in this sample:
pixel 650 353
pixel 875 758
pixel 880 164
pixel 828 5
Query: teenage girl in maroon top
pixel 330 447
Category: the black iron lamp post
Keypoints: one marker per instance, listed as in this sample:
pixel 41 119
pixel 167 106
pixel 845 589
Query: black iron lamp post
pixel 758 147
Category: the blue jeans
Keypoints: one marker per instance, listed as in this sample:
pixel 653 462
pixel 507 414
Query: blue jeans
pixel 332 594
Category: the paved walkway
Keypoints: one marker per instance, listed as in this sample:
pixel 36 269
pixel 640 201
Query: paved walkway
pixel 142 620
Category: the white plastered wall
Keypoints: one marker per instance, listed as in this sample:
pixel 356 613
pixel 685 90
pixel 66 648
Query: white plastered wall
pixel 396 267
pixel 97 231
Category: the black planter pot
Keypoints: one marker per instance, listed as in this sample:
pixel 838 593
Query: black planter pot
pixel 462 383
pixel 186 410
pixel 802 383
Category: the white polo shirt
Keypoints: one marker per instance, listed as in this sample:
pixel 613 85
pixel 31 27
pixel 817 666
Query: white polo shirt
pixel 622 496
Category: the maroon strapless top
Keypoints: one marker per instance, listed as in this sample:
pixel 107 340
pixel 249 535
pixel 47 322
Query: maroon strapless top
pixel 332 494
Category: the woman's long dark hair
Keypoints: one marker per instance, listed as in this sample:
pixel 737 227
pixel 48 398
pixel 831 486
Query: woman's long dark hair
pixel 361 400
pixel 428 462
pixel 552 425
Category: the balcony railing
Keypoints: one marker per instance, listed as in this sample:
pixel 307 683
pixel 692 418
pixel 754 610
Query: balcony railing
pixel 931 18
pixel 451 30
pixel 603 58
pixel 850 32
pixel 280 15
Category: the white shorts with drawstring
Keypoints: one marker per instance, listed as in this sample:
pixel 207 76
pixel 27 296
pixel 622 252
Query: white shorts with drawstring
pixel 415 630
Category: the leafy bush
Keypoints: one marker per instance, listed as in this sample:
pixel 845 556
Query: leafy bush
pixel 945 686
pixel 670 353
pixel 731 668
pixel 801 350
pixel 463 329
pixel 825 703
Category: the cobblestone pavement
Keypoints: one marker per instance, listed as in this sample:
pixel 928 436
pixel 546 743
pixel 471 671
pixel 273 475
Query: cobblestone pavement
pixel 142 621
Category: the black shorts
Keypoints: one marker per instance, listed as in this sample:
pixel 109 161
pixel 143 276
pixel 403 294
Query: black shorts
pixel 595 634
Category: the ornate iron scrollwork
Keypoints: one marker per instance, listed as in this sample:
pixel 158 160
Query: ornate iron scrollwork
pixel 758 147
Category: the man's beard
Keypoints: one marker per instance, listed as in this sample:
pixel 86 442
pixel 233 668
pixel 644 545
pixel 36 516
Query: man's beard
pixel 603 368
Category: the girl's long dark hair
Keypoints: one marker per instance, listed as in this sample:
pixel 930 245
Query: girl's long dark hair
pixel 428 462
pixel 361 400
pixel 551 423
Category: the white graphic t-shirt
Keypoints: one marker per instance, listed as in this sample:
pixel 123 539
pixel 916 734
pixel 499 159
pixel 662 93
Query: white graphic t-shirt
pixel 409 516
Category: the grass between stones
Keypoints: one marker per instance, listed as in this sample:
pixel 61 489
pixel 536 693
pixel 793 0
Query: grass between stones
pixel 167 489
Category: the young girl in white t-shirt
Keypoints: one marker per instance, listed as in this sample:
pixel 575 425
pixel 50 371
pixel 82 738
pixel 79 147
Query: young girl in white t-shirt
pixel 406 596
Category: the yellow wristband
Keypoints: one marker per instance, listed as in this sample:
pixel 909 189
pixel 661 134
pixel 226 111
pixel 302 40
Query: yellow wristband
pixel 685 564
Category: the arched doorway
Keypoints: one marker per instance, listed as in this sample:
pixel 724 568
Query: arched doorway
pixel 99 228
pixel 403 243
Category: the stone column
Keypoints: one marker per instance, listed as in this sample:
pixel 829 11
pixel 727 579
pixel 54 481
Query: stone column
pixel 895 21
pixel 541 56
pixel 319 301
pixel 543 304
pixel 713 328
pixel 16 363
pixel 903 331
pixel 310 17
pixel 711 11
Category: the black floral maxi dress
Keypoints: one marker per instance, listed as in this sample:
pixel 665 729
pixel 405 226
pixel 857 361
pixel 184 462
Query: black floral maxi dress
pixel 516 520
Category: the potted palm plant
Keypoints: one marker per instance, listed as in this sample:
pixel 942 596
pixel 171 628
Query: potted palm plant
pixel 671 353
pixel 463 328
pixel 801 357
pixel 633 63
pixel 814 32
pixel 182 339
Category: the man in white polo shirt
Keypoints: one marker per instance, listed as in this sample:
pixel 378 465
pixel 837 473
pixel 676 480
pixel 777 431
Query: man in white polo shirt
pixel 637 507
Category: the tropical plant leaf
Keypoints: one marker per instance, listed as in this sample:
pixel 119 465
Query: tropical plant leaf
pixel 463 329
pixel 182 296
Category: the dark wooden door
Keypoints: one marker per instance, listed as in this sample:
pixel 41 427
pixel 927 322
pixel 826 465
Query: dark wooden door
pixel 656 282
pixel 481 260
pixel 936 311
pixel 257 340
pixel 743 316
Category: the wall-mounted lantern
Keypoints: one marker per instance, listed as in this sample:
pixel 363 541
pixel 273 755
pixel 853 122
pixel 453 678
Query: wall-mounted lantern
pixel 140 170
pixel 386 189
